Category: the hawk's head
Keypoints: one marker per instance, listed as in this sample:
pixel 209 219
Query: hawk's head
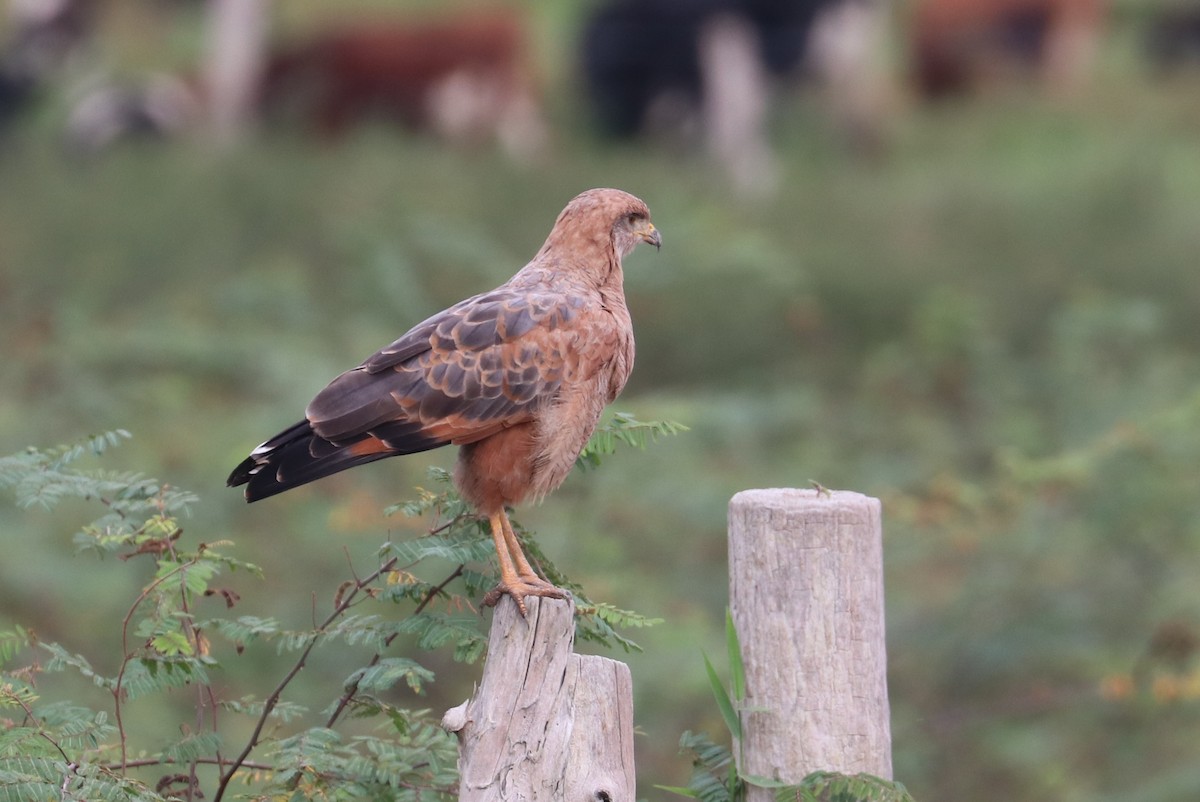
pixel 606 217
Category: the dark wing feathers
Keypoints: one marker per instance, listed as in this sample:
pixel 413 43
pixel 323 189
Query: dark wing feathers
pixel 464 374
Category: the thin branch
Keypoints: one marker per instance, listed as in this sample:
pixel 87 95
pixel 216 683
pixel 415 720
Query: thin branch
pixel 127 656
pixel 437 530
pixel 352 690
pixel 273 699
pixel 208 761
pixel 194 637
pixel 41 731
pixel 350 565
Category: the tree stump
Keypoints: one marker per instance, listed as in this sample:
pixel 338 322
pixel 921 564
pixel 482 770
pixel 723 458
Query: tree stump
pixel 545 723
pixel 806 595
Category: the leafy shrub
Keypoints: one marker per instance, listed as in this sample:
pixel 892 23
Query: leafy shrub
pixel 170 643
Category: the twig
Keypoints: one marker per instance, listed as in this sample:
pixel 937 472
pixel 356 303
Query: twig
pixel 353 688
pixel 273 699
pixel 72 766
pixel 208 761
pixel 127 655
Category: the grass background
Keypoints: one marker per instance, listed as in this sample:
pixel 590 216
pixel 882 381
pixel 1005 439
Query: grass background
pixel 994 327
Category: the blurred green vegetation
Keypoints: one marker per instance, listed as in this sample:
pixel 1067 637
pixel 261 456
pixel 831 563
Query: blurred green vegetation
pixel 994 327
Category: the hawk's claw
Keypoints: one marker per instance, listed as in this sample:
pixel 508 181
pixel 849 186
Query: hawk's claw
pixel 522 587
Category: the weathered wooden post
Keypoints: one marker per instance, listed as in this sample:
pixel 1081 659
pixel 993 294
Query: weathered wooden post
pixel 806 595
pixel 545 723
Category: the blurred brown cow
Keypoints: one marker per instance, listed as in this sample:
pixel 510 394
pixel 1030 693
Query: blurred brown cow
pixel 963 45
pixel 464 78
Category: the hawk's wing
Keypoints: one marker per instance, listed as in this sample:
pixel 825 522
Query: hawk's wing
pixel 484 364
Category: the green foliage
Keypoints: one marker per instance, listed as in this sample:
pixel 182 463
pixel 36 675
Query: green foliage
pixel 826 786
pixel 624 429
pixel 12 641
pixel 456 536
pixel 1007 289
pixel 68 751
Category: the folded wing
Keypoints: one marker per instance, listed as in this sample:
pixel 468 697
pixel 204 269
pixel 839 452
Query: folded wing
pixel 485 364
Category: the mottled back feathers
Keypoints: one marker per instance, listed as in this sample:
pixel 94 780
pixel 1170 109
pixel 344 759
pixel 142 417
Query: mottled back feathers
pixel 537 347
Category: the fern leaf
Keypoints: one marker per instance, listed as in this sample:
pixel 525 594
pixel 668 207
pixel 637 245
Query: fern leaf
pixel 244 629
pixel 453 546
pixel 175 672
pixel 434 630
pixel 283 710
pixel 711 788
pixel 624 429
pixel 12 641
pixel 387 672
pixel 61 659
pixel 75 728
pixel 616 617
pixel 830 786
pixel 707 754
pixel 192 747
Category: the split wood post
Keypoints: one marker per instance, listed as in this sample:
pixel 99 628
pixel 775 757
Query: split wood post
pixel 806 595
pixel 544 723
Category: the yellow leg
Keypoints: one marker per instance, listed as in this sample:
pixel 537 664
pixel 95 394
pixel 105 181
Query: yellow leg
pixel 524 569
pixel 519 580
pixel 508 573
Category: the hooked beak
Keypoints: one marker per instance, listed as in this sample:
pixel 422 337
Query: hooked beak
pixel 650 234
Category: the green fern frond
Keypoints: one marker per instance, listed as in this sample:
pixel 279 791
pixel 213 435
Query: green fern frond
pixel 706 753
pixel 61 659
pixel 710 788
pixel 244 629
pixel 14 467
pixel 100 784
pixel 435 630
pixel 387 672
pixel 74 728
pixel 25 741
pixel 320 764
pixel 468 544
pixel 97 444
pixel 623 429
pixel 830 786
pixel 192 747
pixel 443 503
pixel 149 676
pixel 617 617
pixel 283 710
pixel 371 631
pixel 596 629
pixel 12 642
pixel 37 779
pixel 15 692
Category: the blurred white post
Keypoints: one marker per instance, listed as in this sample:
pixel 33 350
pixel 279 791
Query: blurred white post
pixel 545 723
pixel 237 37
pixel 735 104
pixel 806 595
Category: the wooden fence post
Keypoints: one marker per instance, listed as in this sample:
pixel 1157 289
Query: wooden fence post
pixel 806 595
pixel 545 723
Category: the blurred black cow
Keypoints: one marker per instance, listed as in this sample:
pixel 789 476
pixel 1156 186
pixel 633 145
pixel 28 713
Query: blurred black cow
pixel 638 53
pixel 1173 38
pixel 44 35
